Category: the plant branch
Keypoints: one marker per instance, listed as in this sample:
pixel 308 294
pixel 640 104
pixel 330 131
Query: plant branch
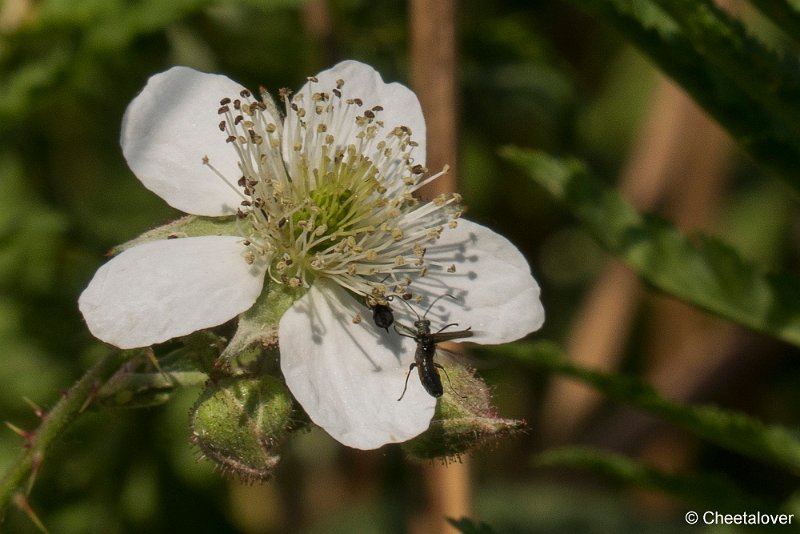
pixel 20 474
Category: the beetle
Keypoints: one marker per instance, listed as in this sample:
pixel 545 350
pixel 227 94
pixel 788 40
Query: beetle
pixel 428 369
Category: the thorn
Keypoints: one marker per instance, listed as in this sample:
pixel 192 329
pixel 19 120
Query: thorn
pixel 22 503
pixel 90 398
pixel 36 464
pixel 151 356
pixel 27 436
pixel 40 412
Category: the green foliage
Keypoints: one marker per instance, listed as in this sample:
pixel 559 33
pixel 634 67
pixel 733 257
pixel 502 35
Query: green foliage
pixel 467 526
pixel 731 430
pixel 701 270
pixel 529 73
pixel 747 88
pixel 715 492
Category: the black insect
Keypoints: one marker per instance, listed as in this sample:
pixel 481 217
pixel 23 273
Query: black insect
pixel 426 350
pixel 382 315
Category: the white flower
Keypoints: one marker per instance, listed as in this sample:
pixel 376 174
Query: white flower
pixel 324 201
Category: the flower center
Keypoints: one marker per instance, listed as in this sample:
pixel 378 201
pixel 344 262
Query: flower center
pixel 329 192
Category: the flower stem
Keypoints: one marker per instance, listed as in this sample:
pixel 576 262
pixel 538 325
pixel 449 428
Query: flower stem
pixel 73 402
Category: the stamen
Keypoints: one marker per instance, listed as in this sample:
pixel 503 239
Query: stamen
pixel 340 204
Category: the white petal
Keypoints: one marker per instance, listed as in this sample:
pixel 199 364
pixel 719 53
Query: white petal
pixel 496 295
pixel 400 105
pixel 164 289
pixel 349 376
pixel 168 129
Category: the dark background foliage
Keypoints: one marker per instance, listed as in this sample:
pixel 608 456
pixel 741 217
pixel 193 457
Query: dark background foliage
pixel 532 74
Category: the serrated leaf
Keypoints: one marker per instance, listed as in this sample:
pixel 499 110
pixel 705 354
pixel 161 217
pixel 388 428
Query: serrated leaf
pixel 785 15
pixel 728 429
pixel 716 492
pixel 702 271
pixel 724 42
pixel 754 115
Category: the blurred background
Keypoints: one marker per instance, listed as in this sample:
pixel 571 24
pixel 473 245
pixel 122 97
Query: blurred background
pixel 534 74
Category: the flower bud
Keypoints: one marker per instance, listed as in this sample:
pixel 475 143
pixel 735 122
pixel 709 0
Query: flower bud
pixel 238 423
pixel 464 419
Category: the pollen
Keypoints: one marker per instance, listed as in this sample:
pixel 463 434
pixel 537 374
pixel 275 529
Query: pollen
pixel 330 192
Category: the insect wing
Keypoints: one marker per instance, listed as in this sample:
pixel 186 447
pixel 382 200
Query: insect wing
pixel 449 336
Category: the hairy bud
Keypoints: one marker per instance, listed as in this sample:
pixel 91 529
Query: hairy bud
pixel 465 417
pixel 239 422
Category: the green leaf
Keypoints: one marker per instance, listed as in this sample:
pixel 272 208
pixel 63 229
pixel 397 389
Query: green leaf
pixel 727 46
pixel 731 430
pixel 715 492
pixel 755 114
pixel 468 526
pixel 784 14
pixel 702 271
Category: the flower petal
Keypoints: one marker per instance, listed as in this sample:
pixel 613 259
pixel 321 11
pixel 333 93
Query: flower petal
pixel 169 128
pixel 495 293
pixel 400 107
pixel 164 289
pixel 348 376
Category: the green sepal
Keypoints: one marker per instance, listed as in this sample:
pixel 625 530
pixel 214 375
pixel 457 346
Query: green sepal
pixel 146 381
pixel 465 417
pixel 188 226
pixel 238 423
pixel 257 329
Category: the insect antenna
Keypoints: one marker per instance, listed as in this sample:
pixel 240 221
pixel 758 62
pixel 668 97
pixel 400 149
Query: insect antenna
pixel 437 299
pixel 410 307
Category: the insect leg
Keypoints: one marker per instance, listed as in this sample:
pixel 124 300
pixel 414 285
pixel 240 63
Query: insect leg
pixel 405 386
pixel 448 380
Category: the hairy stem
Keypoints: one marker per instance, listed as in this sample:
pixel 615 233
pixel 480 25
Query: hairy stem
pixel 72 403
